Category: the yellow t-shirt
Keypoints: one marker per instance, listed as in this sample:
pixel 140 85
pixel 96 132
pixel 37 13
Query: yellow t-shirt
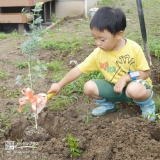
pixel 115 64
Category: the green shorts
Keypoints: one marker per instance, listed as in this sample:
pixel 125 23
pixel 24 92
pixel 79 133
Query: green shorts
pixel 106 91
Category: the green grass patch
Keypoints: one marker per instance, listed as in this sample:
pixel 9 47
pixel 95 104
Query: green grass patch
pixel 105 2
pixel 3 35
pixel 22 65
pixel 3 88
pixel 71 46
pixel 4 75
pixel 154 45
pixel 13 94
pixel 61 102
pixel 55 65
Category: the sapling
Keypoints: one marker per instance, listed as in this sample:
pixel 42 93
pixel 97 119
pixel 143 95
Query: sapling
pixel 30 48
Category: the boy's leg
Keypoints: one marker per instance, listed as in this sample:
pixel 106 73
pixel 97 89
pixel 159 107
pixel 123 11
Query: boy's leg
pixel 106 91
pixel 107 104
pixel 148 105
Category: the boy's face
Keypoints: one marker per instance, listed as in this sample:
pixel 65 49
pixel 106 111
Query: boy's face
pixel 105 40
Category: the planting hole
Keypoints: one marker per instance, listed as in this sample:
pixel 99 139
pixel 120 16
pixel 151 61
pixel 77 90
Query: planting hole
pixel 155 134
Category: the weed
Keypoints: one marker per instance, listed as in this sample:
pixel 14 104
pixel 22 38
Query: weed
pixel 81 26
pixel 4 75
pixel 154 44
pixel 158 118
pixel 157 104
pixel 65 43
pixel 86 99
pixel 54 65
pixel 88 117
pixel 6 119
pixel 3 36
pixel 61 102
pixel 129 11
pixel 135 36
pixel 130 103
pixel 34 146
pixel 147 147
pixel 19 141
pixel 150 116
pixel 119 105
pixel 73 144
pixel 105 2
pixel 73 87
pixel 3 88
pixel 54 18
pixel 57 76
pixel 13 94
pixel 89 41
pixel 15 33
pixel 22 65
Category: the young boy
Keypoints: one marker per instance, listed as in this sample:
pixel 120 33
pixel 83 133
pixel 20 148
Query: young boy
pixel 121 61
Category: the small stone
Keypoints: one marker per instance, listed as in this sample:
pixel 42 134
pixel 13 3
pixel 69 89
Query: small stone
pixel 73 63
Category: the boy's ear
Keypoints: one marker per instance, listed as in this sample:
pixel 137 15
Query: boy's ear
pixel 120 34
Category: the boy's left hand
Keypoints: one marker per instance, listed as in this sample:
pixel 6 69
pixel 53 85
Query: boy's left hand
pixel 121 83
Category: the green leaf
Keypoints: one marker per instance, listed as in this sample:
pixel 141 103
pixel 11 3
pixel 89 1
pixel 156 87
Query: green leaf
pixel 37 68
pixel 19 79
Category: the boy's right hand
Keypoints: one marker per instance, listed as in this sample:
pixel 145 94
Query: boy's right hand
pixel 70 76
pixel 55 88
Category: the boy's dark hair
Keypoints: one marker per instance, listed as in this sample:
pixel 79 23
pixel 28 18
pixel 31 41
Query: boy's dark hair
pixel 107 18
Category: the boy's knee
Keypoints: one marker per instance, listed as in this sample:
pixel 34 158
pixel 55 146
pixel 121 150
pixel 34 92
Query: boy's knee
pixel 89 87
pixel 135 90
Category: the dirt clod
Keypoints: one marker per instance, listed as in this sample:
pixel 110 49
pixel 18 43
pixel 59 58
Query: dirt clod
pixel 31 134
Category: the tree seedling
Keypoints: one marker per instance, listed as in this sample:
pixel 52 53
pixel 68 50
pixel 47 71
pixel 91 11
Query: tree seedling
pixel 35 67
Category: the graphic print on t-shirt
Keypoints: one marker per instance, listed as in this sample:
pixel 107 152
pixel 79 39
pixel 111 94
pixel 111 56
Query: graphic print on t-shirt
pixel 122 66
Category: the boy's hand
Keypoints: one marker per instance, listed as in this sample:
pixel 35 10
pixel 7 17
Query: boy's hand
pixel 121 83
pixel 55 88
pixel 70 76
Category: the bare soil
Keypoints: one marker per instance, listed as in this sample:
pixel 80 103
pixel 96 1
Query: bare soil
pixel 115 136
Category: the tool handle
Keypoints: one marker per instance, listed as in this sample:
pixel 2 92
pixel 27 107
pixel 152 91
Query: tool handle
pixel 50 95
